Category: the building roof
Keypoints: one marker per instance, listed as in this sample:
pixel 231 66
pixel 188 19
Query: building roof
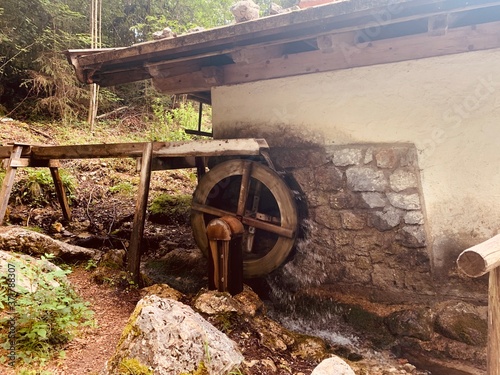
pixel 339 35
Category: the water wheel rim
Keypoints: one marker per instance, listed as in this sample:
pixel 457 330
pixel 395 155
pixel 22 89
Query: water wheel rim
pixel 286 230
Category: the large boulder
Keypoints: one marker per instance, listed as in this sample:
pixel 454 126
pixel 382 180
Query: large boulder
pixel 169 338
pixel 21 240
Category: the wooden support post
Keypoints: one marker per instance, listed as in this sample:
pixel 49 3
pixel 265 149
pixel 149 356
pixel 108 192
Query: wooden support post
pixel 493 366
pixel 8 181
pixel 60 193
pixel 134 250
pixel 477 261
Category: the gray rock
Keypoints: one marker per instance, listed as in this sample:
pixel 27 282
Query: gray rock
pixel 275 9
pixel 245 10
pixel 170 338
pixel 387 219
pixel 165 33
pixel 366 179
pixel 333 366
pixel 368 156
pixel 414 218
pixel 462 322
pixel 214 303
pixel 404 201
pixel 29 272
pixel 403 179
pixel 412 236
pixel 347 156
pixel 412 323
pixel 374 200
pixel 21 240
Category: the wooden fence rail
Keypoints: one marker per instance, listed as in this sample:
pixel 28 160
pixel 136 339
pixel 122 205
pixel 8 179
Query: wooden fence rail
pixel 477 261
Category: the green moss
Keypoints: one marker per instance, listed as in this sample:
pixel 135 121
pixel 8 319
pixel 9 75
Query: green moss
pixel 170 209
pixel 201 370
pixel 132 366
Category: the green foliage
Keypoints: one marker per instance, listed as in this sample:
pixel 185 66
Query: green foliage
pixel 123 188
pixel 37 188
pixel 47 315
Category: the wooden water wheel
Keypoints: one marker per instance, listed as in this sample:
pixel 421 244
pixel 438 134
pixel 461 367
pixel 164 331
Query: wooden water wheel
pixel 258 197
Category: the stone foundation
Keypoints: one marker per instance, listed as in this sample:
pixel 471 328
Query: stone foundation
pixel 365 228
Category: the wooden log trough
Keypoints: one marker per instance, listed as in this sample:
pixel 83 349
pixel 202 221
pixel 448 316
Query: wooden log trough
pixel 477 261
pixel 152 156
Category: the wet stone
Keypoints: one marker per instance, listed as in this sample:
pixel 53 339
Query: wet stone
pixel 404 201
pixel 343 200
pixel 366 179
pixel 326 216
pixel 352 221
pixel 328 178
pixel 412 323
pixel 347 156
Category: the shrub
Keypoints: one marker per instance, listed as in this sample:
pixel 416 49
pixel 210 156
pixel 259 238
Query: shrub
pixel 46 317
pixel 36 187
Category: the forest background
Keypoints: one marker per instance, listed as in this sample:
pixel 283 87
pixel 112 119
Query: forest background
pixel 38 84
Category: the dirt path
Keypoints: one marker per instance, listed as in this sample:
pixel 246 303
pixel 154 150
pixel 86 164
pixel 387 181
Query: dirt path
pixel 88 353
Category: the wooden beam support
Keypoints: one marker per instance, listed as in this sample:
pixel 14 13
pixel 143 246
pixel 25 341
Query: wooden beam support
pixel 458 40
pixel 60 193
pixel 8 181
pixel 257 54
pixel 202 80
pixel 134 250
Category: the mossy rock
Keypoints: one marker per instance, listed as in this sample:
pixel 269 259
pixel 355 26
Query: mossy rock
pixel 131 366
pixel 170 209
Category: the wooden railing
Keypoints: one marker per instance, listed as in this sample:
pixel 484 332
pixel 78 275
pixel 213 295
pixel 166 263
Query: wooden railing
pixel 477 261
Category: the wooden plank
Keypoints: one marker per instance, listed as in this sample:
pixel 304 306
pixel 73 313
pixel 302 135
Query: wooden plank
pixel 61 193
pixel 214 147
pixel 202 80
pixel 493 361
pixel 134 250
pixel 459 40
pixel 8 182
pixel 249 146
pixel 114 150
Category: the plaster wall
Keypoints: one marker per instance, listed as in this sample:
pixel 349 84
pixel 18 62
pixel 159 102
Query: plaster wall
pixel 448 107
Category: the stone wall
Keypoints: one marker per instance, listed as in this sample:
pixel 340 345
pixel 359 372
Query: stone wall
pixel 365 228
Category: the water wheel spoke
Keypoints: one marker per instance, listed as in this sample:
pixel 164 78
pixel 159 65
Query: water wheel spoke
pixel 210 210
pixel 244 190
pixel 268 227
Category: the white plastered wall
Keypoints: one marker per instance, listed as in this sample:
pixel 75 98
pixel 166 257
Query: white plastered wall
pixel 449 107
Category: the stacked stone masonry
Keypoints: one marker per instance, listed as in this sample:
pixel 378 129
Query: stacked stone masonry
pixel 365 226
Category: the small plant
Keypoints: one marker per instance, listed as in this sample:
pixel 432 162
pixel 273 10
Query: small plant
pixel 37 188
pixel 47 311
pixel 91 264
pixel 124 188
